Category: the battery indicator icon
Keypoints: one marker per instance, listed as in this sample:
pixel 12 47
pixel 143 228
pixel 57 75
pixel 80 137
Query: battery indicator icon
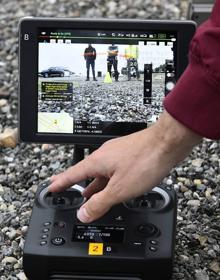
pixel 162 36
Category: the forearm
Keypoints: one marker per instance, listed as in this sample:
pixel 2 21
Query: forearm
pixel 174 138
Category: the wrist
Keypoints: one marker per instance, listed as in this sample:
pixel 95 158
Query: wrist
pixel 174 138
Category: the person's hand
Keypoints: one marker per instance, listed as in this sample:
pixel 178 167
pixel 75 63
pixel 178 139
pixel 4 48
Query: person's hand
pixel 127 167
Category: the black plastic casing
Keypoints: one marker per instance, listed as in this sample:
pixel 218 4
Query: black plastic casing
pixel 200 10
pixel 126 261
pixel 28 66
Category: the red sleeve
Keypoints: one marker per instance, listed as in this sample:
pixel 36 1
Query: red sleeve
pixel 195 100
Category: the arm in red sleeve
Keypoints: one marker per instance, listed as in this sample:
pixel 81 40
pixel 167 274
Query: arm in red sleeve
pixel 195 100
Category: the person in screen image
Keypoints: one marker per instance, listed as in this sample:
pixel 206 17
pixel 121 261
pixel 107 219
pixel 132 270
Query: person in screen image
pixel 90 57
pixel 131 55
pixel 112 60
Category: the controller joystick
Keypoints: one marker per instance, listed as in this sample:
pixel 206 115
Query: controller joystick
pixel 155 200
pixel 70 199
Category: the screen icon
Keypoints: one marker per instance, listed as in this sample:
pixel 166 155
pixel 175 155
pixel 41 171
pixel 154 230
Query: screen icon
pixel 162 35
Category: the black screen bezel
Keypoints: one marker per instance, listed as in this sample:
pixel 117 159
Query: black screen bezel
pixel 28 67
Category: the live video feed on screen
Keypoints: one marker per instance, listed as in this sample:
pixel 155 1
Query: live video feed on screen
pixel 89 80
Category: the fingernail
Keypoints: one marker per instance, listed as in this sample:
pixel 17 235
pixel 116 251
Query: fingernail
pixel 83 215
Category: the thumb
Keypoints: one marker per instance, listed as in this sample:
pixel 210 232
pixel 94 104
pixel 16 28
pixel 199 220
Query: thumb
pixel 95 207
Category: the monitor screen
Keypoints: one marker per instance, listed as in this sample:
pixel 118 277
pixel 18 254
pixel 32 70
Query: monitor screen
pixel 102 82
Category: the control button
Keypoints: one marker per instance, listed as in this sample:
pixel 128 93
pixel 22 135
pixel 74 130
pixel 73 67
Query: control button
pixel 46 230
pixel 47 224
pixel 138 243
pixel 148 229
pixel 44 236
pixel 153 242
pixel 95 249
pixel 60 224
pixel 153 249
pixel 58 241
pixel 168 188
pixel 43 243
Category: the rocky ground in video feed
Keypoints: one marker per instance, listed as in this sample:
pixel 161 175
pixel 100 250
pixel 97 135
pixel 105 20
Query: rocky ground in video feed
pixel 116 101
pixel 196 180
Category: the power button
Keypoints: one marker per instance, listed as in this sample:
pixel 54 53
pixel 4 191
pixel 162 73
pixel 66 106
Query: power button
pixel 58 241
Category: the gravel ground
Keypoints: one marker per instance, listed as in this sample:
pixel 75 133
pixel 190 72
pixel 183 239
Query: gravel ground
pixel 119 101
pixel 196 180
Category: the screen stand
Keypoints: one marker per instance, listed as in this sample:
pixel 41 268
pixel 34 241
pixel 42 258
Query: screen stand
pixel 80 152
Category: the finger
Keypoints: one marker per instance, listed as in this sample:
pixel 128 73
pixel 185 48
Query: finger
pixel 83 170
pixel 95 207
pixel 95 186
pixel 99 203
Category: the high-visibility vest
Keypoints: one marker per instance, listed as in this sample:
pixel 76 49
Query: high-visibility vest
pixel 131 51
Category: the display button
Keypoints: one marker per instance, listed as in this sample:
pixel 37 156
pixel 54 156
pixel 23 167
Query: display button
pixel 46 230
pixel 148 230
pixel 43 243
pixel 153 242
pixel 60 224
pixel 44 236
pixel 95 249
pixel 153 249
pixel 47 224
pixel 58 241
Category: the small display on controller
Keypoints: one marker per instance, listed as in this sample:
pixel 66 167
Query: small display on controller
pixel 90 233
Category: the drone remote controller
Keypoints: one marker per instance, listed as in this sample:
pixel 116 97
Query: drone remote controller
pixel 133 241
